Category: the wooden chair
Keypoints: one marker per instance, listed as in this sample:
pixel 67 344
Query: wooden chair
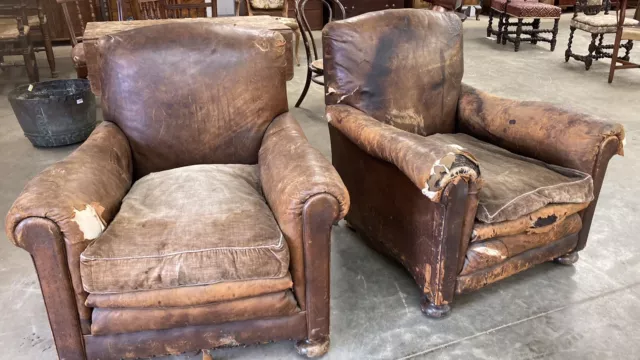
pixel 596 20
pixel 278 9
pixel 623 32
pixel 15 37
pixel 77 52
pixel 315 65
pixel 37 22
pixel 178 9
pixel 522 10
pixel 151 10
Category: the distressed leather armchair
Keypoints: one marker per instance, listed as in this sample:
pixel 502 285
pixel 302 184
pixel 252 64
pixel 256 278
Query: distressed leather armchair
pixel 461 187
pixel 196 215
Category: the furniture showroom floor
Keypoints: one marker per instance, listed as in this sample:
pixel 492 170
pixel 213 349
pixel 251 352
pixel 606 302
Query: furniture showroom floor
pixel 589 311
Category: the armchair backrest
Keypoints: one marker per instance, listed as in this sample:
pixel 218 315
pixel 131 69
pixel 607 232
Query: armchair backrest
pixel 193 93
pixel 402 67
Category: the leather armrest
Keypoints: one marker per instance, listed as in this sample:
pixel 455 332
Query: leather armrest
pixel 291 173
pixel 428 163
pixel 81 193
pixel 538 130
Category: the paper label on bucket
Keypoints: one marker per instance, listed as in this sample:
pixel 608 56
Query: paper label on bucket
pixel 79 101
pixel 30 87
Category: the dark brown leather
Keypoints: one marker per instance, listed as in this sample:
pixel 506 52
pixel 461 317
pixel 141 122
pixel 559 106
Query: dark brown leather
pixel 193 93
pixel 97 176
pixel 291 172
pixel 117 321
pixel 538 130
pixel 190 295
pixel 43 239
pixel 405 72
pixel 516 264
pixel 175 341
pixel 428 163
pixel 395 218
pixel 487 253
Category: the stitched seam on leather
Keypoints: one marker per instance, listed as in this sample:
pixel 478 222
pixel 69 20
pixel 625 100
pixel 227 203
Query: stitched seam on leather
pixel 530 192
pixel 278 245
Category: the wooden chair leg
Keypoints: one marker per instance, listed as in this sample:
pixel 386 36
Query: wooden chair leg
pixel 627 48
pixel 297 47
pixel 567 53
pixel 500 28
pixel 534 35
pixel 518 34
pixel 505 29
pixel 554 34
pixel 32 67
pixel 614 54
pixel 489 29
pixel 305 89
pixel 592 48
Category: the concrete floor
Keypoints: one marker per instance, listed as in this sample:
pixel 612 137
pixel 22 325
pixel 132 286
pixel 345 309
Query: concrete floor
pixel 589 311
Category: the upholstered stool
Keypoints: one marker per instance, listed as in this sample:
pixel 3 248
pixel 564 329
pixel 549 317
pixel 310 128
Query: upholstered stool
pixel 535 11
pixel 499 7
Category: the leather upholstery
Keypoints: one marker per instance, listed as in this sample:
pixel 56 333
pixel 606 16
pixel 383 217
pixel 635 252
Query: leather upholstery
pixel 94 178
pixel 131 320
pixel 183 93
pixel 430 164
pixel 190 295
pixel 395 73
pixel 537 130
pixel 385 167
pixel 291 172
pixel 194 225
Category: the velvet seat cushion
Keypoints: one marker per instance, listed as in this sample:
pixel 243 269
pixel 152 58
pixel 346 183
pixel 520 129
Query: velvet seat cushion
pixel 195 225
pixel 501 5
pixel 513 185
pixel 533 10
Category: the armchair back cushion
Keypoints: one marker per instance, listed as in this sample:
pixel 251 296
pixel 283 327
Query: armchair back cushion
pixel 183 93
pixel 402 67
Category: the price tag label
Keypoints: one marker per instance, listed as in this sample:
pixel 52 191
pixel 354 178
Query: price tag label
pixel 79 101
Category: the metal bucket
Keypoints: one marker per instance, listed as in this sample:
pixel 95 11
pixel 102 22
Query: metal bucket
pixel 55 113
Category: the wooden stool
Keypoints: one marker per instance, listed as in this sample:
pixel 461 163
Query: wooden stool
pixel 535 11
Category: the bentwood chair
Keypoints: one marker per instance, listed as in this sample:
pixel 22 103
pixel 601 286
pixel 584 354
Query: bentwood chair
pixel 315 69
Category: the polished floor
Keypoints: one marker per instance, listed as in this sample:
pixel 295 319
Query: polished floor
pixel 590 311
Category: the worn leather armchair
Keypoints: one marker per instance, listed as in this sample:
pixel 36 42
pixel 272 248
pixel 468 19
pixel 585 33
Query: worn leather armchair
pixel 461 187
pixel 196 215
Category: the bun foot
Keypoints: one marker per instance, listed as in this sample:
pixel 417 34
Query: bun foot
pixel 311 348
pixel 435 311
pixel 568 259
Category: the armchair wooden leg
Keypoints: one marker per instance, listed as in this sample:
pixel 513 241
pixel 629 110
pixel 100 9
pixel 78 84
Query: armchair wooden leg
pixel 568 259
pixel 567 53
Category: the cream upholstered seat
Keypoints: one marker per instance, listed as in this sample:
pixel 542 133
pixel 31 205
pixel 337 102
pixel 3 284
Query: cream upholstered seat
pixel 599 23
pixel 195 225
pixel 10 31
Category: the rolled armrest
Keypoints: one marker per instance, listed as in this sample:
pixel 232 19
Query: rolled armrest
pixel 81 193
pixel 292 172
pixel 538 130
pixel 429 163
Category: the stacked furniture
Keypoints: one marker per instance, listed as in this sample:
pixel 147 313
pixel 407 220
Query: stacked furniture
pixel 461 187
pixel 197 215
pixel 596 20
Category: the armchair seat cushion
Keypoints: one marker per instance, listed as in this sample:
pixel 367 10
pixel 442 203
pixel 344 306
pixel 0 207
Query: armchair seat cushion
pixel 600 23
pixel 195 225
pixel 514 186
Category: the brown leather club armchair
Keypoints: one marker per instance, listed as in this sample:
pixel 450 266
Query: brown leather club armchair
pixel 461 187
pixel 196 216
